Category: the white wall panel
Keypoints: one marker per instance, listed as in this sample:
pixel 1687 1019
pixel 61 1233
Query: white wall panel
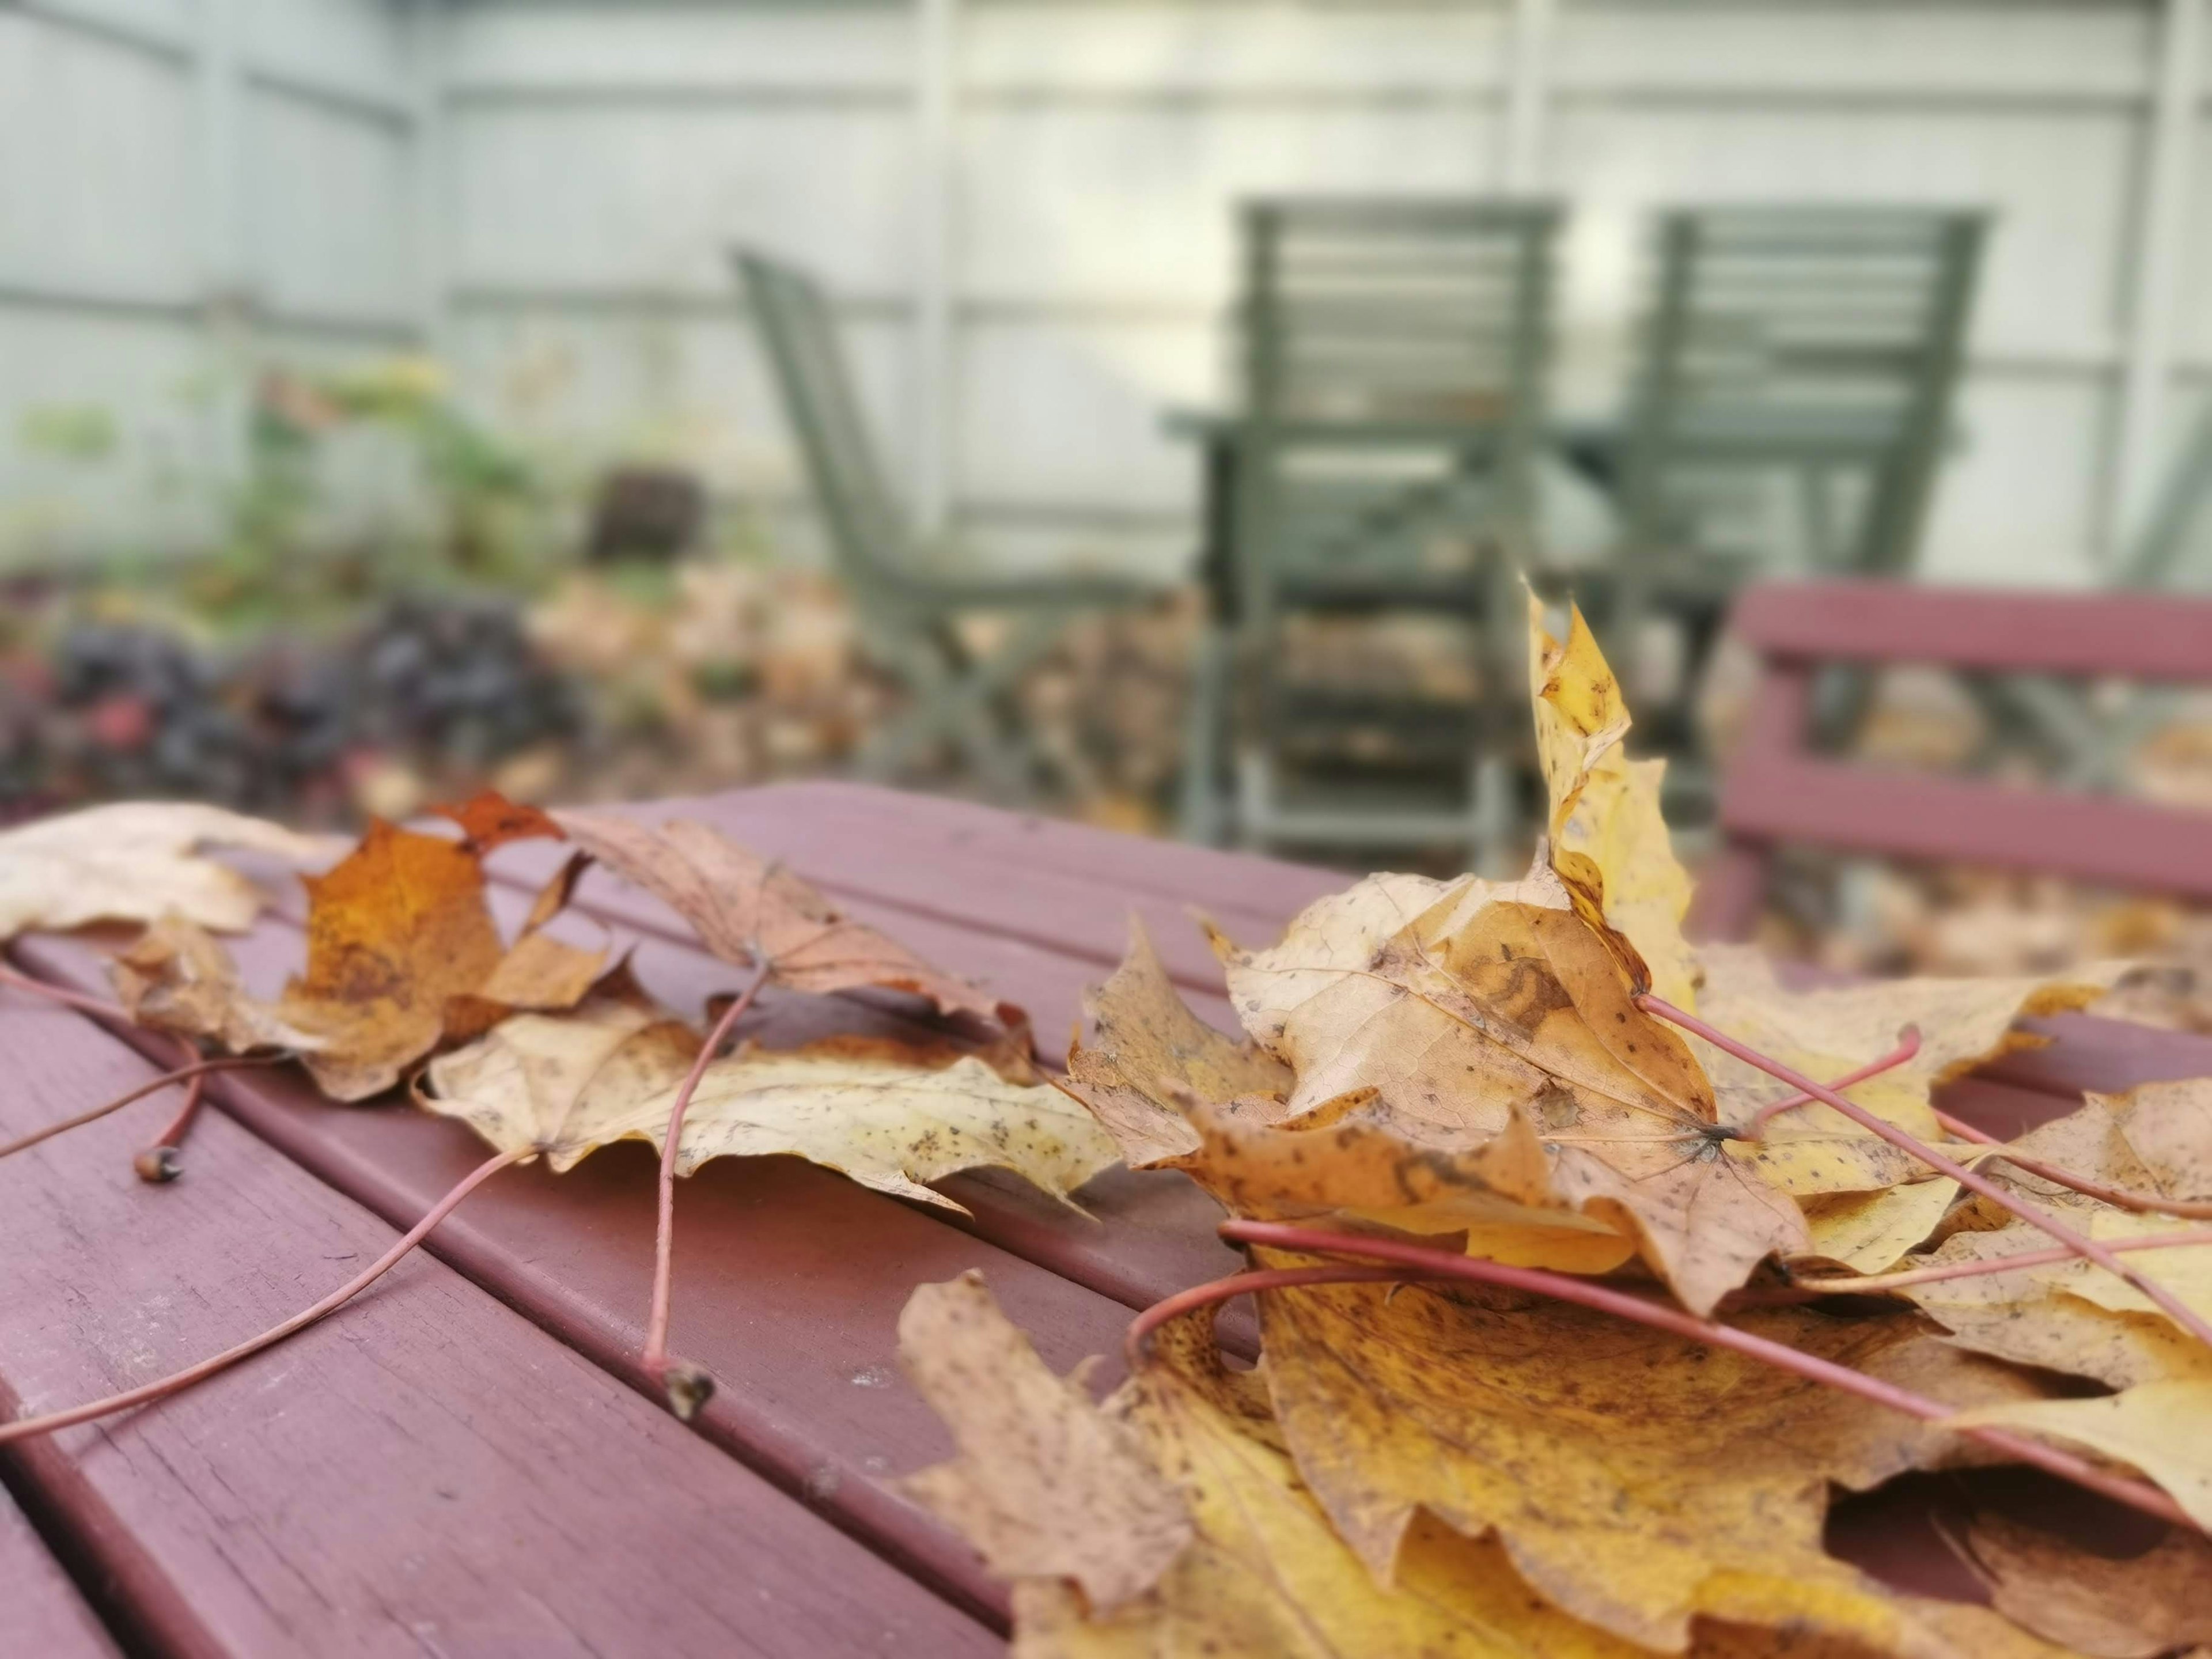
pixel 2059 184
pixel 327 210
pixel 595 386
pixel 345 43
pixel 595 195
pixel 660 44
pixel 96 164
pixel 1365 51
pixel 151 378
pixel 2056 50
pixel 2018 500
pixel 1060 413
pixel 1111 204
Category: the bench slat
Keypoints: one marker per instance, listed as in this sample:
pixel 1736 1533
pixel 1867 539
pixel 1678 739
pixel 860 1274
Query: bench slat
pixel 2124 843
pixel 2142 636
pixel 427 1470
pixel 41 1613
pixel 789 1277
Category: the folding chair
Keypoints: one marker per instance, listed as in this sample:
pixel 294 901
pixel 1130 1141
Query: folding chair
pixel 1818 347
pixel 909 618
pixel 1393 354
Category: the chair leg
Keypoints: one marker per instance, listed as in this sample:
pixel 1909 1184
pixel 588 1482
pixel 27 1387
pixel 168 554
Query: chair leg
pixel 1200 813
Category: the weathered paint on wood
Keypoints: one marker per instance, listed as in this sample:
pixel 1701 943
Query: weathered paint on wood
pixel 430 1469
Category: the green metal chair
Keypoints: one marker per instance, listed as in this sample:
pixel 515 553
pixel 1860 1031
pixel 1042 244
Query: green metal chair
pixel 1817 348
pixel 1393 355
pixel 909 617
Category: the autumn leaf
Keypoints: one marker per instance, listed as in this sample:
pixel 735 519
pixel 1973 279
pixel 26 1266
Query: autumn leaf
pixel 1177 1093
pixel 2150 1140
pixel 137 861
pixel 1263 1572
pixel 1359 1171
pixel 1152 1061
pixel 747 909
pixel 489 819
pixel 2158 1427
pixel 564 1084
pixel 175 978
pixel 1630 1475
pixel 1485 1007
pixel 1045 1486
pixel 1871 1232
pixel 2133 1606
pixel 403 955
pixel 1825 1031
pixel 1608 839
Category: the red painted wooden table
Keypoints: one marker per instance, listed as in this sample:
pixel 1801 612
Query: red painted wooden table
pixel 464 1461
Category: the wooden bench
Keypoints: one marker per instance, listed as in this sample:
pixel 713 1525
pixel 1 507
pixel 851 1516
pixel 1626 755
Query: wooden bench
pixel 1779 792
pixel 466 1461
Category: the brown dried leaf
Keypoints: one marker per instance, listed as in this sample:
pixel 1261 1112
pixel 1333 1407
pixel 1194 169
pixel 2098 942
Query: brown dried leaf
pixel 395 931
pixel 176 978
pixel 403 955
pixel 1608 839
pixel 135 861
pixel 1485 1007
pixel 2160 1427
pixel 1264 1575
pixel 2116 1607
pixel 1153 1061
pixel 746 908
pixel 1631 1476
pixel 489 819
pixel 1046 1484
pixel 564 1084
pixel 1828 1030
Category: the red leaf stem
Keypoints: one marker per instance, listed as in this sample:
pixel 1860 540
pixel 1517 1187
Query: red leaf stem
pixel 2183 1315
pixel 23 1428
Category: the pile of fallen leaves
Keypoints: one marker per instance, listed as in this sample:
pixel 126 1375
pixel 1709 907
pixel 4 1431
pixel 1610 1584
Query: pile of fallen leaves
pixel 1588 1264
pixel 544 1044
pixel 1573 1317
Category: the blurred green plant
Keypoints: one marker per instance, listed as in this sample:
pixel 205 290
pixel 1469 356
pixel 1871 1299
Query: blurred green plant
pixel 283 559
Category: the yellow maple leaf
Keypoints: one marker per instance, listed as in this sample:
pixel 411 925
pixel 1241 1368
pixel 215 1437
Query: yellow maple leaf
pixel 1608 838
pixel 889 1115
pixel 1631 1476
pixel 1043 1482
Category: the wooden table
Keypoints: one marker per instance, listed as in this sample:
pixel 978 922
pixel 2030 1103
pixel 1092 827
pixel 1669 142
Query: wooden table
pixel 465 1462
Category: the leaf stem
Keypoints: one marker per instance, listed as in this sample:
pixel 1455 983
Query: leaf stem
pixel 1908 1044
pixel 1942 1271
pixel 1240 1283
pixel 182 1075
pixel 76 999
pixel 1605 1299
pixel 24 1428
pixel 2182 1314
pixel 686 1385
pixel 2120 1197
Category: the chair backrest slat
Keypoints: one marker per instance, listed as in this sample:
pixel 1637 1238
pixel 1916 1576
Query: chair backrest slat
pixel 1804 312
pixel 1778 792
pixel 869 532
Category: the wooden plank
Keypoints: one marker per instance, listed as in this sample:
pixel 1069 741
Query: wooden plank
pixel 1175 871
pixel 789 1277
pixel 2124 843
pixel 2141 636
pixel 41 1613
pixel 428 1470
